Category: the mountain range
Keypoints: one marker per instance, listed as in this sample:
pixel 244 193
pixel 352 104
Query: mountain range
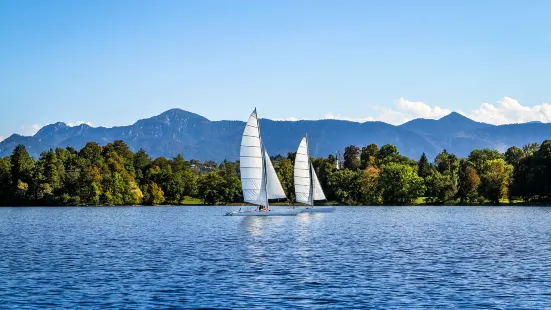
pixel 195 137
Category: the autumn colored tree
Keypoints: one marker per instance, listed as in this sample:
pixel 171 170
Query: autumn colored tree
pixel 154 194
pixel 495 180
pixel 468 182
pixel 367 156
pixel 369 190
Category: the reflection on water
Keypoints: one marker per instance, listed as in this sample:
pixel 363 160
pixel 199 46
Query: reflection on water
pixel 357 257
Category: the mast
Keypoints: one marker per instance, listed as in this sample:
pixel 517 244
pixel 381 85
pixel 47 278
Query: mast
pixel 310 173
pixel 263 150
pixel 265 181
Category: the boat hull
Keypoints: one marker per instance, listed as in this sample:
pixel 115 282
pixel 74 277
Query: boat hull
pixel 264 213
pixel 318 210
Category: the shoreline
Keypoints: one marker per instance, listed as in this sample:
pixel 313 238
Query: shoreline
pixel 533 204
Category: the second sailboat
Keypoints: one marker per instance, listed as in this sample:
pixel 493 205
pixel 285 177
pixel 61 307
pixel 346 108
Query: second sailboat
pixel 307 186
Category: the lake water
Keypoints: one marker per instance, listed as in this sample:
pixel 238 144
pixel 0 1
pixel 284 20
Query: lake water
pixel 357 257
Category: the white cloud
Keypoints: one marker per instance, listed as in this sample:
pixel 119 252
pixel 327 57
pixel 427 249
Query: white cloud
pixel 404 111
pixel 31 130
pixel 27 130
pixel 2 138
pixel 509 111
pixel 346 118
pixel 74 124
pixel 291 119
pixel 505 111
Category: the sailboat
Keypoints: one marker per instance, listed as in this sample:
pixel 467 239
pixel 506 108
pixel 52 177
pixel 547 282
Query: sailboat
pixel 307 186
pixel 258 177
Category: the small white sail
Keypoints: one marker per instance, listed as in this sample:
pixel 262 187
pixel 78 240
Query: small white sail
pixel 251 164
pixel 317 190
pixel 273 186
pixel 302 178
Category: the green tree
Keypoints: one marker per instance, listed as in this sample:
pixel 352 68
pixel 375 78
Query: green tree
pixel 424 168
pixel 495 180
pixel 154 194
pixel 389 154
pixel 479 158
pixel 91 153
pixel 513 156
pixel 446 163
pixel 530 148
pixel 343 185
pixel 352 157
pixel 400 184
pixel 285 172
pixel 541 170
pixel 387 151
pixel 22 168
pixel 5 181
pixel 210 188
pixel 367 156
pixel 440 188
pixel 47 175
pixel 141 163
pixel 90 188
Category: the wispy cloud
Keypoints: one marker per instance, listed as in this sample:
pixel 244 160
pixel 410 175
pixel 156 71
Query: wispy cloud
pixel 291 119
pixel 347 118
pixel 403 111
pixel 31 130
pixel 504 111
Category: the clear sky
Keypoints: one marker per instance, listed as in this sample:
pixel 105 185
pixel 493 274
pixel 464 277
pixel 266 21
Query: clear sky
pixel 114 62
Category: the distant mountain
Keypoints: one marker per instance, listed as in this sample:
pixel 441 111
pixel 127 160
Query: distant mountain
pixel 195 137
pixel 450 124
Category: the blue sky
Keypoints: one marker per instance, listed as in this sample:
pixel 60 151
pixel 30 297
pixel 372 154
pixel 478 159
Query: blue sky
pixel 113 62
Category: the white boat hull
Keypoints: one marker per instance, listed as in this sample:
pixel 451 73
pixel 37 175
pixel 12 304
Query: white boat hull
pixel 318 210
pixel 264 213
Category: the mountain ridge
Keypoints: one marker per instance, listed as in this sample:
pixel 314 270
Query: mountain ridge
pixel 196 137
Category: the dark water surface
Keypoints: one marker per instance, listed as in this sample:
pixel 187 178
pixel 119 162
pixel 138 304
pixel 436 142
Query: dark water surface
pixel 357 257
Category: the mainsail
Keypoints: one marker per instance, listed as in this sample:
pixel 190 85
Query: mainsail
pixel 258 177
pixel 302 178
pixel 251 164
pixel 307 186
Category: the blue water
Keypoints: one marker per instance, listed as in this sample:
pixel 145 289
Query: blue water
pixel 357 257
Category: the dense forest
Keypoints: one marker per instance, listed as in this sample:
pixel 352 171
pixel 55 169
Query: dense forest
pixel 114 175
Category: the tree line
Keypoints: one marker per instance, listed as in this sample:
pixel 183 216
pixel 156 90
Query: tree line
pixel 114 175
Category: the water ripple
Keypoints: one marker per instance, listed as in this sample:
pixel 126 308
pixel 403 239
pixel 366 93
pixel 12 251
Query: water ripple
pixel 356 258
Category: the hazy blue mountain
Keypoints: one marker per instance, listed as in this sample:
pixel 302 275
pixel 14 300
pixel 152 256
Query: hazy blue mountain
pixel 450 124
pixel 195 137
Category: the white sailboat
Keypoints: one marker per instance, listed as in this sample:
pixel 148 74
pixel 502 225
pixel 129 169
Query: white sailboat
pixel 258 177
pixel 307 186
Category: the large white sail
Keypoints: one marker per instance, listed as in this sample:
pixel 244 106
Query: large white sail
pixel 317 191
pixel 273 186
pixel 251 165
pixel 302 178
